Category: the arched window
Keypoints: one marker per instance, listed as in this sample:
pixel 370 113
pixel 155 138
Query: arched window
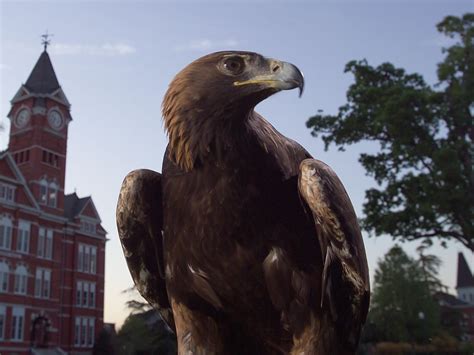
pixel 4 273
pixel 21 280
pixel 5 233
pixel 43 191
pixel 53 194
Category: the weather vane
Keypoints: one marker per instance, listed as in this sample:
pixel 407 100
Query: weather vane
pixel 46 40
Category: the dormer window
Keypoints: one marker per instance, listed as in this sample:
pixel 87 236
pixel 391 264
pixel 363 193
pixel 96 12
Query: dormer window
pixel 6 192
pixel 88 227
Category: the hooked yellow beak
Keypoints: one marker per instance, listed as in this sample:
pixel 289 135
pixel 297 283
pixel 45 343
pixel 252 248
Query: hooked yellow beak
pixel 280 76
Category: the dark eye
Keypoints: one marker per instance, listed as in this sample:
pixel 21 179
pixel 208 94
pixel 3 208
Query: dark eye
pixel 234 65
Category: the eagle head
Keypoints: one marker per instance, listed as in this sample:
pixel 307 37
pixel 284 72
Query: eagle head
pixel 217 92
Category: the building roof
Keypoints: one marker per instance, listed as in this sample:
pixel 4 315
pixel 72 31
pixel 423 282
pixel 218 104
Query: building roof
pixel 42 79
pixel 465 278
pixel 73 205
pixel 448 300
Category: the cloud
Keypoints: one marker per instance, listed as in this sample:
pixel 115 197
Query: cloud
pixel 206 44
pixel 4 67
pixel 107 49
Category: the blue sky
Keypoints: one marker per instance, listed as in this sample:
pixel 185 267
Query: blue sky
pixel 114 60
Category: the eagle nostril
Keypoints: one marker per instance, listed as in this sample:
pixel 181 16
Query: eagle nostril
pixel 275 68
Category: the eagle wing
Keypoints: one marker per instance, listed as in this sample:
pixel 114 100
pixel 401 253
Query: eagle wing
pixel 140 227
pixel 345 281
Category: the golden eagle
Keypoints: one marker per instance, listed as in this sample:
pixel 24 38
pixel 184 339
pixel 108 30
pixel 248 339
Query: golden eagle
pixel 244 243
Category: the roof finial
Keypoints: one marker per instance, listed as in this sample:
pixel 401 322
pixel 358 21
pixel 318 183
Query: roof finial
pixel 46 40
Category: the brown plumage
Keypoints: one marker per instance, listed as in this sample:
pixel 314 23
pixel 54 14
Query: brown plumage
pixel 245 243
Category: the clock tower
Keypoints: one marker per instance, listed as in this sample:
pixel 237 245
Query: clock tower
pixel 40 115
pixel 52 245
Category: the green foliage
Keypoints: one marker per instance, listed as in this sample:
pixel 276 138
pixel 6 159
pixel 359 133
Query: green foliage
pixel 403 308
pixel 430 264
pixel 105 344
pixel 424 165
pixel 136 337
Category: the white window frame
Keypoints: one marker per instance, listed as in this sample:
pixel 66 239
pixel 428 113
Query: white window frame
pixel 47 284
pixel 6 226
pixel 84 332
pixel 45 243
pixel 3 319
pixel 85 294
pixel 49 244
pixel 79 293
pixel 38 283
pixel 4 277
pixel 90 334
pixel 7 192
pixel 89 226
pixel 18 323
pixel 80 257
pixel 52 194
pixel 23 236
pixel 87 258
pixel 92 296
pixel 41 240
pixel 43 196
pixel 77 331
pixel 93 260
pixel 21 280
pixel 43 283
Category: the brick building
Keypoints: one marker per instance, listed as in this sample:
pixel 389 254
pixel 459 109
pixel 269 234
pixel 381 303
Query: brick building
pixel 52 245
pixel 465 291
pixel 457 313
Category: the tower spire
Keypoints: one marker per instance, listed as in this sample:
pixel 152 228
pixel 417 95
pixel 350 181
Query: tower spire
pixel 46 41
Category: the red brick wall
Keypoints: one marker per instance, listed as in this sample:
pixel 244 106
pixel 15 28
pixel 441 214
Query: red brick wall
pixel 60 308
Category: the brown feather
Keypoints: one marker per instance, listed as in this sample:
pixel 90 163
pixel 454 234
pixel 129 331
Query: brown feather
pixel 270 269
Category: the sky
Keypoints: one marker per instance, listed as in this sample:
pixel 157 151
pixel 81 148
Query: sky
pixel 115 59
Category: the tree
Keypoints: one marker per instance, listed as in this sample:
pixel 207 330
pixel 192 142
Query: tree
pixel 402 308
pixel 134 336
pixel 144 331
pixel 134 305
pixel 430 265
pixel 105 344
pixel 424 166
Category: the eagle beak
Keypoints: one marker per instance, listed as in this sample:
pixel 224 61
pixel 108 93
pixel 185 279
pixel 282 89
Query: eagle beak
pixel 281 76
pixel 288 76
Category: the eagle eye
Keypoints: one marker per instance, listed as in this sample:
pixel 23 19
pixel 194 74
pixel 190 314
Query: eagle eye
pixel 234 65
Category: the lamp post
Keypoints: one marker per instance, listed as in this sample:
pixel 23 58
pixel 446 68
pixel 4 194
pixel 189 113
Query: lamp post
pixel 421 317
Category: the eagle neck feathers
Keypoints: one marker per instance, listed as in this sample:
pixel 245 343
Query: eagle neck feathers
pixel 196 133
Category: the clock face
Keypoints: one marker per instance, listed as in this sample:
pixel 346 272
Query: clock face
pixel 22 118
pixel 55 119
